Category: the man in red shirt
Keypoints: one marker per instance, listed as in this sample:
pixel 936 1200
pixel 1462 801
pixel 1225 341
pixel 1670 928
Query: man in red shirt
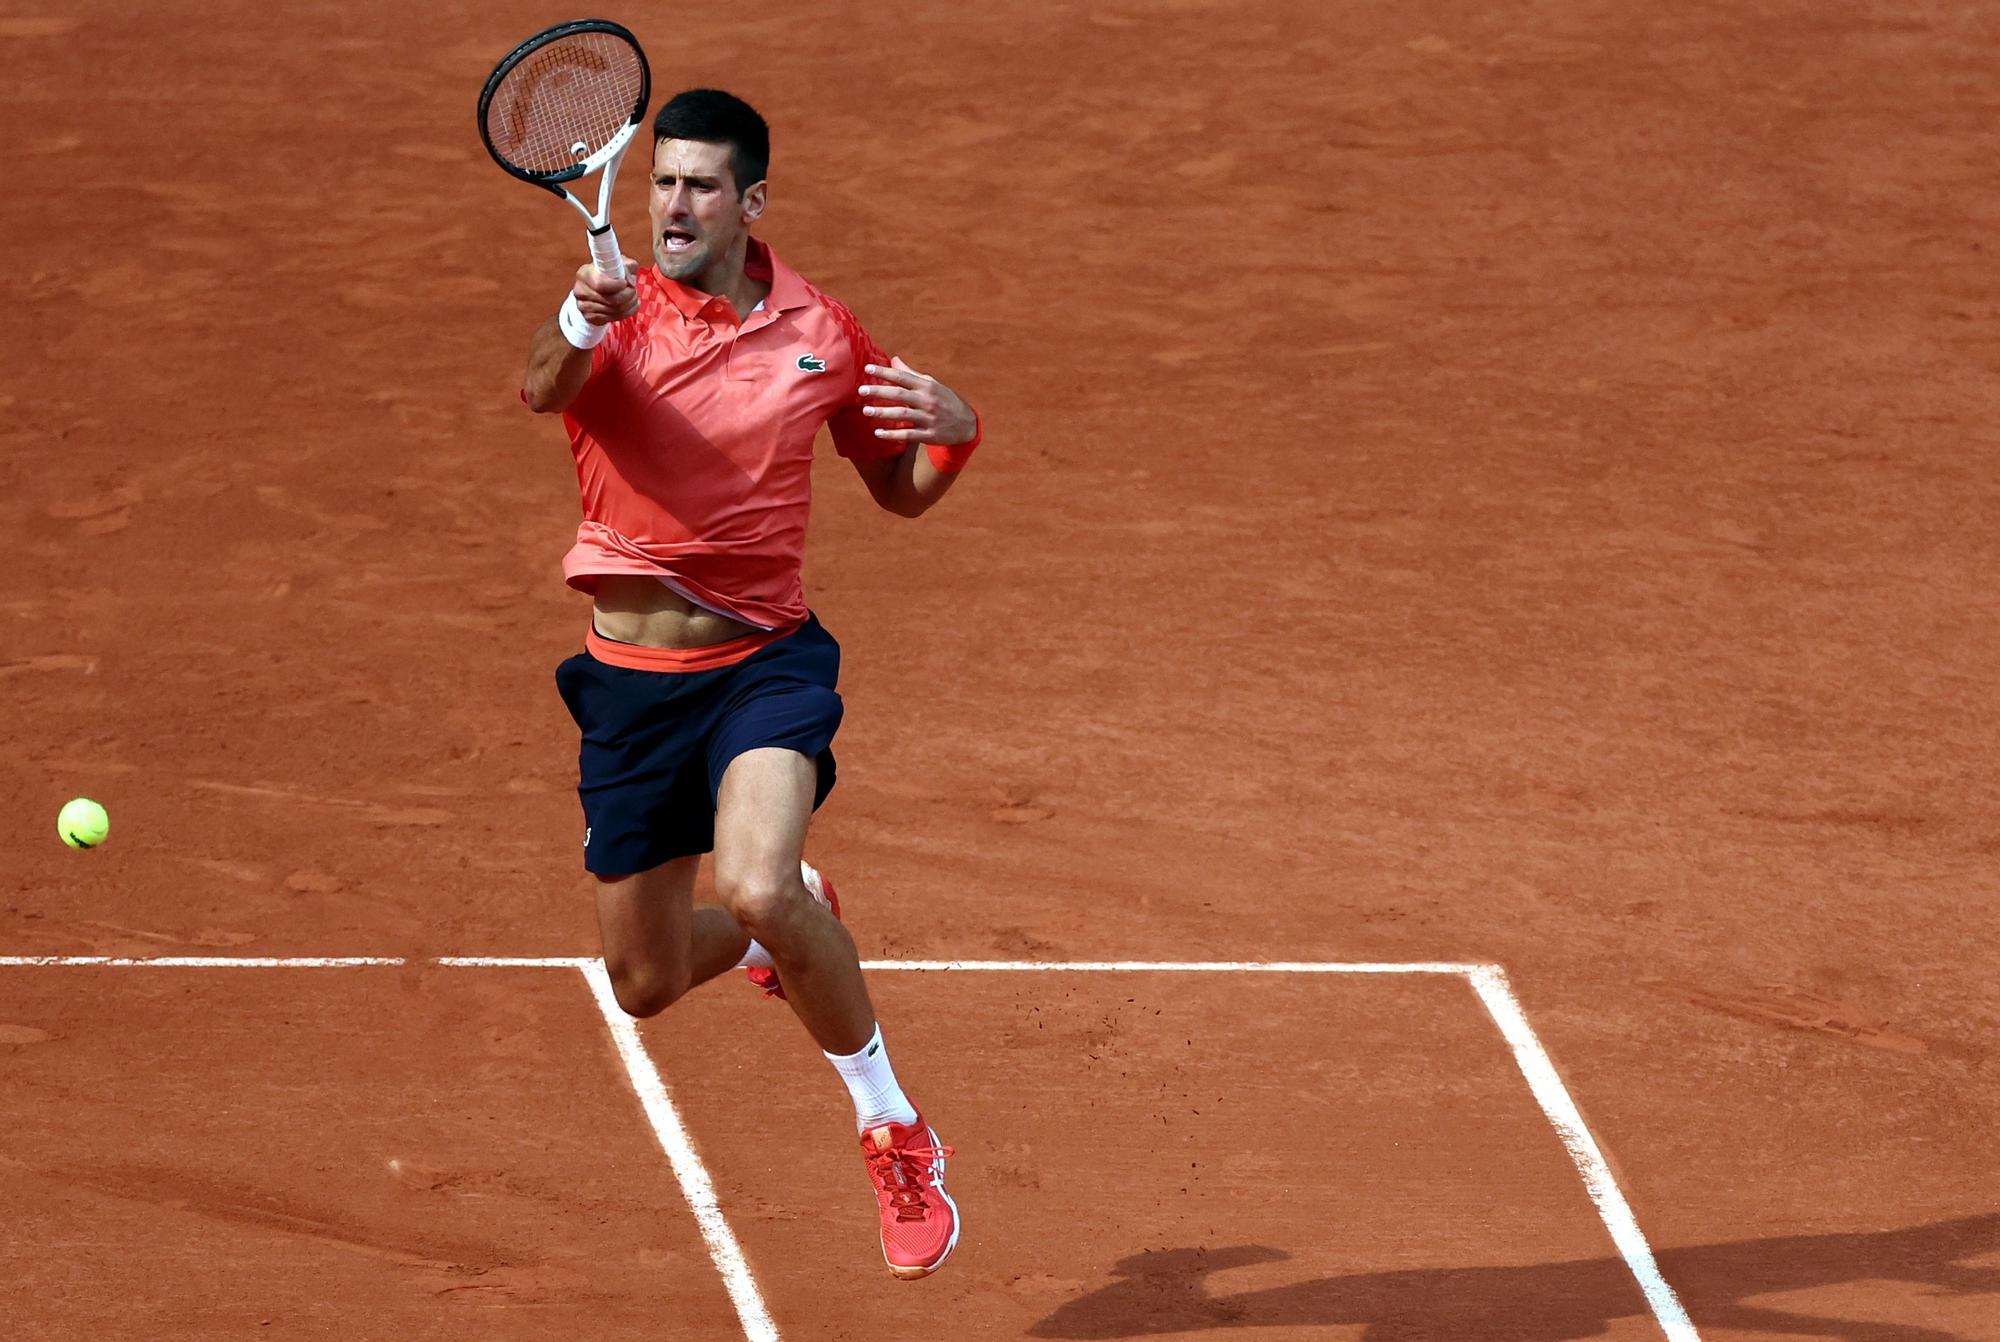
pixel 705 695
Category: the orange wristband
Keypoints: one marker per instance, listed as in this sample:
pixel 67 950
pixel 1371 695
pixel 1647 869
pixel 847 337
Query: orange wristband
pixel 951 459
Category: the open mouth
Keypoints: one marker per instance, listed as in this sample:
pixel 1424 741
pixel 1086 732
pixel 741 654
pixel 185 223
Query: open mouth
pixel 676 240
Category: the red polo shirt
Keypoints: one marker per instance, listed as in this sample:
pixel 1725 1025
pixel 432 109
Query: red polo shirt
pixel 693 439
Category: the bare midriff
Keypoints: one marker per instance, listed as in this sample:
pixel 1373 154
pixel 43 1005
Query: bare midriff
pixel 635 609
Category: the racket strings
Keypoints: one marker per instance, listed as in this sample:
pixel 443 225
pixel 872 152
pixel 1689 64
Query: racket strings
pixel 565 102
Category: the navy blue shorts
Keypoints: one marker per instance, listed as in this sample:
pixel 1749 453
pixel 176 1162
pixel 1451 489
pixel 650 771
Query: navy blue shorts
pixel 655 743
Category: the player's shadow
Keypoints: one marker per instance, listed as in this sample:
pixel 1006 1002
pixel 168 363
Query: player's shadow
pixel 1168 1291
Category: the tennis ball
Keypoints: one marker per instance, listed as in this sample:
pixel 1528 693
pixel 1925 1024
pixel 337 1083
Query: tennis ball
pixel 83 823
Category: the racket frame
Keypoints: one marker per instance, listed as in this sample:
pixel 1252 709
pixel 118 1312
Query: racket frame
pixel 604 250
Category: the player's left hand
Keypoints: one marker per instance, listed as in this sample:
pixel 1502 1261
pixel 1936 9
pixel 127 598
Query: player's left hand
pixel 929 411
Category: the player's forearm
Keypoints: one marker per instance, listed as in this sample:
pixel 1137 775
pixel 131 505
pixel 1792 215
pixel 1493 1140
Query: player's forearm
pixel 918 484
pixel 557 370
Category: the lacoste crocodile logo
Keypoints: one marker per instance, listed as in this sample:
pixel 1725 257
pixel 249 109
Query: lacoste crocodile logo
pixel 811 363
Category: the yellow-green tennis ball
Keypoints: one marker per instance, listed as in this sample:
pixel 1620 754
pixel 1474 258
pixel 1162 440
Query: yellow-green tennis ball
pixel 83 823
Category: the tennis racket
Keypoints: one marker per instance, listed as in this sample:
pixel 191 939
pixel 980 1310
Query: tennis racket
pixel 564 104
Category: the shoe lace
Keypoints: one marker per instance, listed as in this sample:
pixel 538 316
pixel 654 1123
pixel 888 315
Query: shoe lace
pixel 896 1174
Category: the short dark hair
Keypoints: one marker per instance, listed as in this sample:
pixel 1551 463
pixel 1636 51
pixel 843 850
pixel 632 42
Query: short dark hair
pixel 719 118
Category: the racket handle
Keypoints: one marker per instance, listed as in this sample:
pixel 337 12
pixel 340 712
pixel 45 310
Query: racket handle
pixel 604 253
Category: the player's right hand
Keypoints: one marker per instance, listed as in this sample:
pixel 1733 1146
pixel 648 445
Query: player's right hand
pixel 603 300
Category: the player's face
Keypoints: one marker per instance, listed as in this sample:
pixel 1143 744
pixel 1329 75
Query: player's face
pixel 698 215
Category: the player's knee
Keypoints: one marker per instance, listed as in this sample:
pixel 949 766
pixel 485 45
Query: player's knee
pixel 764 903
pixel 646 990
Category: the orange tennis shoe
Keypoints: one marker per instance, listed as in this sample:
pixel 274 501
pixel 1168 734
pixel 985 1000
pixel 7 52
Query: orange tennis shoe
pixel 820 889
pixel 919 1219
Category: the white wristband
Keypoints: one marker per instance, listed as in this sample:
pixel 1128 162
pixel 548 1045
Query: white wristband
pixel 576 328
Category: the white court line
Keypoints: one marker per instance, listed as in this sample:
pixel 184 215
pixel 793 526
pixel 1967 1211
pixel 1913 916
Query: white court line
pixel 1490 982
pixel 579 962
pixel 202 961
pixel 1179 966
pixel 696 1186
pixel 297 961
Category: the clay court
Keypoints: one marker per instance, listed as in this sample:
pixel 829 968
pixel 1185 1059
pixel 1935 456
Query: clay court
pixel 1491 506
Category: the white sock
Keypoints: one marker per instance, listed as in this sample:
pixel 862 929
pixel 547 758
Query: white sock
pixel 872 1084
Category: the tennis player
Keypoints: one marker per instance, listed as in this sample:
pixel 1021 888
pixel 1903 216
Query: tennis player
pixel 705 693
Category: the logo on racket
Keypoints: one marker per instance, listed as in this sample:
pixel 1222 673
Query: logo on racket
pixel 811 363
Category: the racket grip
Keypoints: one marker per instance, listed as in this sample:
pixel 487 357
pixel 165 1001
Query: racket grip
pixel 604 253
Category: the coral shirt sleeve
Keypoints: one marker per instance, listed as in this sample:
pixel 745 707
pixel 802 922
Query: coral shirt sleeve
pixel 854 432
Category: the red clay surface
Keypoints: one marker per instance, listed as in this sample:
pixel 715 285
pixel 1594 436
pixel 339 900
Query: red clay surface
pixel 1480 481
pixel 333 1154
